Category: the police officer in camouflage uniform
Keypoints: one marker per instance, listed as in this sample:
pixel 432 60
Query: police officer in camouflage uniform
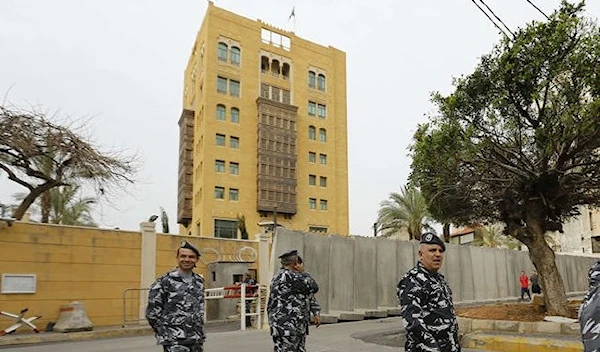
pixel 291 300
pixel 426 302
pixel 589 313
pixel 176 305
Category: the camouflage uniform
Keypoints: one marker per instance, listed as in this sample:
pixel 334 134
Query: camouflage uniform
pixel 426 304
pixel 589 313
pixel 176 312
pixel 290 302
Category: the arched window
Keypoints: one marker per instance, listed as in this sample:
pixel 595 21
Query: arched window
pixel 235 115
pixel 285 70
pixel 264 64
pixel 311 79
pixel 221 112
pixel 322 135
pixel 275 67
pixel 235 55
pixel 321 82
pixel 311 133
pixel 222 51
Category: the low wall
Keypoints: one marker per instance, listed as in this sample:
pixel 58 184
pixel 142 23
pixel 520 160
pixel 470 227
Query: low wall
pixel 362 273
pixel 96 266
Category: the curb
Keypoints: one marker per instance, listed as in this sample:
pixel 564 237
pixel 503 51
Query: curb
pixel 512 343
pixel 45 337
pixel 100 333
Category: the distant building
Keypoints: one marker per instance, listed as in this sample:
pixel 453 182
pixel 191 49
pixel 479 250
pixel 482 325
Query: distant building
pixel 580 234
pixel 263 130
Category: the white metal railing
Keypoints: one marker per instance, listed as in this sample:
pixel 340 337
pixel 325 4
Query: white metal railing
pixel 246 293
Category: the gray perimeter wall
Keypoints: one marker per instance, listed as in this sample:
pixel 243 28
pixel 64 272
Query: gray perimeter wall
pixel 361 273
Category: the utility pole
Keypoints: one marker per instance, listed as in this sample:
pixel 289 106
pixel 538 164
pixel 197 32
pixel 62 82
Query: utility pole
pixel 375 230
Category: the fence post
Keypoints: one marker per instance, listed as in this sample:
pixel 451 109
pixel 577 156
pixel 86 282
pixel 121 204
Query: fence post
pixel 147 263
pixel 243 308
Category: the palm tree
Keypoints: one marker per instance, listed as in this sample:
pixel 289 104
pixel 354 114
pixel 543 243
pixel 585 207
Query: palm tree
pixel 491 236
pixel 64 207
pixel 404 210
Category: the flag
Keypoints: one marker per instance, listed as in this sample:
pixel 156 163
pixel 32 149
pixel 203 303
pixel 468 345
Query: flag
pixel 293 14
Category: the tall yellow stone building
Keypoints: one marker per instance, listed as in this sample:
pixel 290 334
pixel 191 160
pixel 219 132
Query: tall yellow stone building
pixel 263 130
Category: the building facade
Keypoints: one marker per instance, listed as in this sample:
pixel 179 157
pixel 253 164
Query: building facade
pixel 263 131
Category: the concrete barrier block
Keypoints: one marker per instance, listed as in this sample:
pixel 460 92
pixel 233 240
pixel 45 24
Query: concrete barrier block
pixel 547 328
pixel 72 318
pixel 482 325
pixel 329 319
pixel 527 327
pixel 464 325
pixel 570 329
pixel 392 311
pixel 503 325
pixel 347 316
pixel 372 313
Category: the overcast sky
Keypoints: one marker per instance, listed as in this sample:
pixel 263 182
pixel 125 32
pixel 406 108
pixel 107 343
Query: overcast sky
pixel 121 63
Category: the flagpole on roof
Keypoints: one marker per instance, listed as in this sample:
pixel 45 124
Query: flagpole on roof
pixel 293 14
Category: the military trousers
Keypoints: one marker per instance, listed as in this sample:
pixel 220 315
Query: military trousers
pixel 183 348
pixel 294 343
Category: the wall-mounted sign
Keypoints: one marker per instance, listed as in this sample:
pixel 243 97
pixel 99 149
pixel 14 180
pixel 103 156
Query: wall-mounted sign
pixel 18 283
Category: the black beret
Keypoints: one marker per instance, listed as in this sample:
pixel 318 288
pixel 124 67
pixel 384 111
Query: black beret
pixel 431 238
pixel 186 244
pixel 289 253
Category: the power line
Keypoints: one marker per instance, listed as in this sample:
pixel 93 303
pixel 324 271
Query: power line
pixel 537 8
pixel 498 18
pixel 491 20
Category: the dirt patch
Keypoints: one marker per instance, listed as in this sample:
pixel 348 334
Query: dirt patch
pixel 524 311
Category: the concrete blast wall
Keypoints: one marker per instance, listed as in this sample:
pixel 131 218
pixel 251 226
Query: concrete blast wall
pixel 361 273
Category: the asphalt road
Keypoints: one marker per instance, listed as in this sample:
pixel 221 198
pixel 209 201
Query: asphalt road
pixel 334 337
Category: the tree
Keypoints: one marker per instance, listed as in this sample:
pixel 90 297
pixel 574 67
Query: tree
pixel 40 155
pixel 65 206
pixel 404 210
pixel 518 141
pixel 492 237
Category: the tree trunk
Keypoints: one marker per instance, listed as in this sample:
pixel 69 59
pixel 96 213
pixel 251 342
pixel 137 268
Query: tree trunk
pixel 45 206
pixel 31 197
pixel 446 231
pixel 543 258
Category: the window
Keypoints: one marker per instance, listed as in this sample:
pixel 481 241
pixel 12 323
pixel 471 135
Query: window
pixel 312 157
pixel 323 181
pixel 220 139
pixel 234 194
pixel 221 84
pixel 234 142
pixel 311 133
pixel 226 228
pixel 323 203
pixel 322 135
pixel 219 165
pixel 323 159
pixel 312 203
pixel 234 168
pixel 221 112
pixel 312 108
pixel 235 55
pixel 312 180
pixel 317 229
pixel 222 51
pixel 234 88
pixel 322 111
pixel 235 115
pixel 321 83
pixel 219 192
pixel 311 79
